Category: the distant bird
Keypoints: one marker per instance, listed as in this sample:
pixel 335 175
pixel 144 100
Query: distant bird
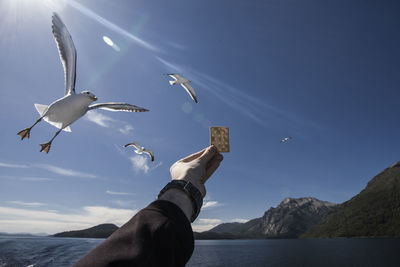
pixel 140 150
pixel 64 111
pixel 286 139
pixel 185 84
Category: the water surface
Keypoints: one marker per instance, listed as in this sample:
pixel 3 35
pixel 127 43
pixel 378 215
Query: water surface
pixel 52 251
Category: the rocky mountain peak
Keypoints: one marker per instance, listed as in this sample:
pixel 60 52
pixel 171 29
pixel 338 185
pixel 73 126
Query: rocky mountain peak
pixel 311 202
pixel 396 165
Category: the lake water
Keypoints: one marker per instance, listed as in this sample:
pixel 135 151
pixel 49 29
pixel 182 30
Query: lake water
pixel 50 251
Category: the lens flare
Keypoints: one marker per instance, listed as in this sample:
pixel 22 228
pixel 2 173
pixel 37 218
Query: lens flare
pixel 108 41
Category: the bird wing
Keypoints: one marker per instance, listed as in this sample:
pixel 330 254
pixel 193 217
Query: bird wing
pixel 114 106
pixel 174 76
pixel 190 91
pixel 150 153
pixel 67 53
pixel 136 145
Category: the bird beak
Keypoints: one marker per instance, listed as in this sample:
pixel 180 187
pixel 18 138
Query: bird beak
pixel 94 98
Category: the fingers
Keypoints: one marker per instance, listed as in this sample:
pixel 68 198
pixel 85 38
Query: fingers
pixel 208 154
pixel 212 165
pixel 193 156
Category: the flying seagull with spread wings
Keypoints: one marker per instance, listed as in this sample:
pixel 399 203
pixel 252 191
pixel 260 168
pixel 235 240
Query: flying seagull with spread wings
pixel 140 150
pixel 72 106
pixel 184 83
pixel 286 139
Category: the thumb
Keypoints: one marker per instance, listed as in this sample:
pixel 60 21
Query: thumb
pixel 208 154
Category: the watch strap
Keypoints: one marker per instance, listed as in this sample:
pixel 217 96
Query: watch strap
pixel 194 194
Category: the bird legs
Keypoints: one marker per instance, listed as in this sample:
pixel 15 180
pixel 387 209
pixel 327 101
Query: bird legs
pixel 26 132
pixel 46 146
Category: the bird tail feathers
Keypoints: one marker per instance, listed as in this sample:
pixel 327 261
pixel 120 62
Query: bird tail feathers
pixel 41 109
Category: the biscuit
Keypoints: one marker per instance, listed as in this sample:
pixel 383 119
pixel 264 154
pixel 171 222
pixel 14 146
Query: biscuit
pixel 219 136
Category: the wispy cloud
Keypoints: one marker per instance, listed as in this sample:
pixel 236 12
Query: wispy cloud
pixel 123 203
pixel 14 220
pixel 236 99
pixel 156 166
pixel 26 204
pixel 29 179
pixel 108 122
pixel 14 166
pixel 110 25
pixel 118 193
pixel 210 204
pixel 202 225
pixel 169 65
pixel 64 172
pixel 247 104
pixel 140 163
pixel 126 129
pixel 176 45
pixel 36 179
pixel 143 164
pixel 210 221
pixel 47 167
pixel 99 118
pixel 239 220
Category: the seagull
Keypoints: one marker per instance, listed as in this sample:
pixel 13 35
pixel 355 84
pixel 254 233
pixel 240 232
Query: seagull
pixel 185 84
pixel 72 106
pixel 140 150
pixel 286 139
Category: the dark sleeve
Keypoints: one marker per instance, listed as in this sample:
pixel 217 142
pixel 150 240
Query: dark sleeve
pixel 159 235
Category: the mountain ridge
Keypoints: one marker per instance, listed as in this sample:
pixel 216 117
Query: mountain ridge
pixel 291 218
pixel 374 212
pixel 98 231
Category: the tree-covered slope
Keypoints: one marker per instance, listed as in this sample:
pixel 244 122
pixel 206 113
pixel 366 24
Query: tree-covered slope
pixel 374 212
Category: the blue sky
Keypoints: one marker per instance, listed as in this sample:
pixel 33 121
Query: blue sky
pixel 324 72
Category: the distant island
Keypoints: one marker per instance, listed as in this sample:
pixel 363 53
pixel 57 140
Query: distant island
pixel 99 231
pixel 374 212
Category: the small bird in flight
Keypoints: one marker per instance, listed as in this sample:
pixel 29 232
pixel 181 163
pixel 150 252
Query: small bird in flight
pixel 64 111
pixel 286 139
pixel 185 84
pixel 140 150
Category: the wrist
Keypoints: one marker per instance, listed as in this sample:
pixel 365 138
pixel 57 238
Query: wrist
pixel 179 198
pixel 196 182
pixel 187 196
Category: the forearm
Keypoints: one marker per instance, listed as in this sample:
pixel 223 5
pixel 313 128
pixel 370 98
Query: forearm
pixel 179 198
pixel 159 235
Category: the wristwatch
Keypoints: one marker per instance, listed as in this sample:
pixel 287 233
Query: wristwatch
pixel 194 194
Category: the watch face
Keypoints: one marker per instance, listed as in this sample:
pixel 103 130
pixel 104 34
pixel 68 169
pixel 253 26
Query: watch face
pixel 219 136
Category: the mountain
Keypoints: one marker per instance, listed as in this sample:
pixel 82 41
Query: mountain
pixel 208 235
pixel 99 231
pixel 291 218
pixel 374 212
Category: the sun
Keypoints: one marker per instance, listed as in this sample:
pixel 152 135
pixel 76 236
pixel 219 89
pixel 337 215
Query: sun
pixel 24 7
pixel 18 15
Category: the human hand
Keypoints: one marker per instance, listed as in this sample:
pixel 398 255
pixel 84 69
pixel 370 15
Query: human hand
pixel 197 168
